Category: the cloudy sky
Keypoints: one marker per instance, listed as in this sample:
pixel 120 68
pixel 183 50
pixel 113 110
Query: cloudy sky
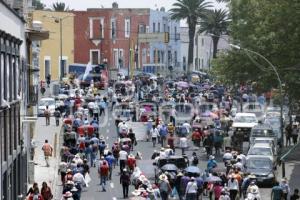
pixel 84 4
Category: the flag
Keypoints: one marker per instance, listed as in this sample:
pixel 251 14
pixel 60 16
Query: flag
pixel 88 68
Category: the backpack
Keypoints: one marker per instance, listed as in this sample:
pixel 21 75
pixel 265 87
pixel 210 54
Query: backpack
pixel 195 160
pixel 164 186
pixel 104 169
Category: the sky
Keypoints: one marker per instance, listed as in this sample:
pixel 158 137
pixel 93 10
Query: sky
pixel 84 4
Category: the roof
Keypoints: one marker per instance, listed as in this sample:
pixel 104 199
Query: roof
pixel 13 11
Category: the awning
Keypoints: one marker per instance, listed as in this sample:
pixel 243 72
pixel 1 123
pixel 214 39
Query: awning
pixel 37 35
pixel 291 154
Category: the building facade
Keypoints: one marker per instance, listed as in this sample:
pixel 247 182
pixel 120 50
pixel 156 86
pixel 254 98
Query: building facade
pixel 109 34
pixel 203 49
pixel 12 85
pixel 51 50
pixel 161 52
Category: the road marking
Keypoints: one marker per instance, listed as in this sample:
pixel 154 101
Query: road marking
pixel 114 198
pixel 112 185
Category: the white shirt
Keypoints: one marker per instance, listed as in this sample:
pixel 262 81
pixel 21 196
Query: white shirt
pixel 191 187
pixel 233 185
pixel 78 177
pixel 227 156
pixel 91 105
pixel 123 155
pixel 183 142
pixel 187 126
pixel 243 158
pixel 154 132
pixel 162 154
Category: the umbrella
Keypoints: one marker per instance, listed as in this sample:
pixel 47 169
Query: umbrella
pixel 182 84
pixel 193 170
pixel 213 179
pixel 169 167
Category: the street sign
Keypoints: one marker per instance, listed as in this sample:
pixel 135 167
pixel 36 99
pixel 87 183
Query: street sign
pixel 153 37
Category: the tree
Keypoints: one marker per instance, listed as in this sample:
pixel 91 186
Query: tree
pixel 271 28
pixel 191 10
pixel 60 7
pixel 38 5
pixel 214 22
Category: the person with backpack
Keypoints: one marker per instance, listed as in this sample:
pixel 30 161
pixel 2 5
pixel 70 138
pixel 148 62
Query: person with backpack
pixel 191 190
pixel 47 115
pixel 103 172
pixel 194 159
pixel 125 182
pixel 48 149
pixel 164 187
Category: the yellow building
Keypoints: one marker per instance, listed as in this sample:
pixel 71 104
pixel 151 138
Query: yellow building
pixel 59 24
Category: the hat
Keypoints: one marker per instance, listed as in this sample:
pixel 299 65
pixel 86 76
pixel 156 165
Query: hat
pixel 70 182
pixel 150 190
pixel 192 178
pixel 124 170
pixel 141 190
pixel 162 149
pixel 69 170
pixel 68 194
pixel 136 193
pixel 163 177
pixel 211 157
pixel 251 176
pixel 74 189
pixel 101 137
pixel 168 146
pixel 131 156
pixel 142 177
pixel 180 174
pixel 284 179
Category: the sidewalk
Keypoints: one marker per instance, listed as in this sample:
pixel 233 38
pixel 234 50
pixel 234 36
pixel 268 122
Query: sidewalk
pixel 41 172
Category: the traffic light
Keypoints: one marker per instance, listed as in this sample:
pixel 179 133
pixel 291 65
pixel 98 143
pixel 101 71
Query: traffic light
pixel 167 37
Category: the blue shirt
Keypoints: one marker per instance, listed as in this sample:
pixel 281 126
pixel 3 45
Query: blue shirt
pixel 110 159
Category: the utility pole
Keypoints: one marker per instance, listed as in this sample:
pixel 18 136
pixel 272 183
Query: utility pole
pixel 61 59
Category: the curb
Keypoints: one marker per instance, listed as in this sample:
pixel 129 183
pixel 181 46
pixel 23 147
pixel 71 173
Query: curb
pixel 55 190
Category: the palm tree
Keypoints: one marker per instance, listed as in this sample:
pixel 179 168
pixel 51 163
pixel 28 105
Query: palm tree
pixel 215 23
pixel 191 10
pixel 60 7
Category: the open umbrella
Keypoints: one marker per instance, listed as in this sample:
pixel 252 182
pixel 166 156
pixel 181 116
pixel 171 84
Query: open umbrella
pixel 182 84
pixel 193 170
pixel 213 179
pixel 169 167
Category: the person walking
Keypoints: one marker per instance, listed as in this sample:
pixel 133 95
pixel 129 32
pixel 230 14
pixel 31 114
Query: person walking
pixel 295 134
pixel 46 192
pixel 125 182
pixel 111 162
pixel 191 190
pixel 183 144
pixel 48 150
pixel 285 188
pixel 103 173
pixel 233 186
pixel 32 189
pixel 47 115
pixel 295 196
pixel 164 187
pixel 57 116
pixel 123 156
pixel 276 192
pixel 154 134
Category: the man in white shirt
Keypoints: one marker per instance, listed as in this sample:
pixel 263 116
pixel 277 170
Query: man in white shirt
pixel 233 186
pixel 78 178
pixel 123 155
pixel 191 189
pixel 154 134
pixel 183 144
pixel 123 127
pixel 162 154
pixel 187 126
pixel 227 156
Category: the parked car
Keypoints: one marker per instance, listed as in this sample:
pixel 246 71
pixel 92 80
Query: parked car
pixel 244 122
pixel 262 130
pixel 263 149
pixel 262 167
pixel 265 140
pixel 50 102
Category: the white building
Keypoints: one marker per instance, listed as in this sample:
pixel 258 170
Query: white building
pixel 167 54
pixel 203 49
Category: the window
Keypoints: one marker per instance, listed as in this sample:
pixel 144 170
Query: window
pixel 158 27
pixel 165 29
pixel 47 65
pixel 153 26
pixel 127 28
pixel 121 58
pixel 2 77
pixel 113 28
pixel 202 63
pixel 168 29
pixel 184 63
pixel 142 28
pixel 94 57
pixel 196 63
pixel 96 28
pixel 175 57
pixel 7 80
pixel 202 41
pixel 147 29
pixel 175 30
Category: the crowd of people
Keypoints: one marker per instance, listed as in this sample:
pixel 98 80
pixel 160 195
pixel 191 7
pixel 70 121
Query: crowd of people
pixel 85 147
